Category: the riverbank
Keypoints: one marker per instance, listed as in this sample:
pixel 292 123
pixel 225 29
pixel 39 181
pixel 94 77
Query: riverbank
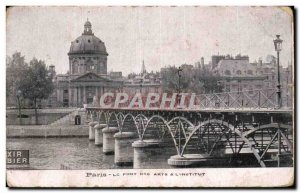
pixel 26 131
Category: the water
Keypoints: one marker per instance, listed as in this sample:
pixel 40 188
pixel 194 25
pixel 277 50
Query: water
pixel 52 153
pixel 80 153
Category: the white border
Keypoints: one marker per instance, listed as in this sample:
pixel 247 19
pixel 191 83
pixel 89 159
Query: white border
pixel 3 3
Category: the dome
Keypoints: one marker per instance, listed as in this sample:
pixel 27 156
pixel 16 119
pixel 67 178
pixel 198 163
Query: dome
pixel 87 43
pixel 87 24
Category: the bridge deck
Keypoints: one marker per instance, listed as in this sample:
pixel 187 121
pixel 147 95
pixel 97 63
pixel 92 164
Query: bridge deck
pixel 207 110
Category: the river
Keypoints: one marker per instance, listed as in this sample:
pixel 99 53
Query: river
pixel 73 153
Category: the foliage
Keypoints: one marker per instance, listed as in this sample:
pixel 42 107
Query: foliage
pixel 15 72
pixel 37 84
pixel 196 80
pixel 38 81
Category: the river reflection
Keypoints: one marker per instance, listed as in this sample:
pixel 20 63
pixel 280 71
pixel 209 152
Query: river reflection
pixel 73 153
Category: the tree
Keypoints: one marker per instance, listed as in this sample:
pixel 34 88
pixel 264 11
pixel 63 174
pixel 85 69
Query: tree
pixel 15 72
pixel 37 84
pixel 192 80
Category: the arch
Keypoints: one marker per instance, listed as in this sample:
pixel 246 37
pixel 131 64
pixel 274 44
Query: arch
pixel 110 117
pixel 141 116
pixel 102 117
pixel 275 125
pixel 125 117
pixel 166 124
pixel 75 67
pixel 89 65
pixel 232 128
pixel 182 118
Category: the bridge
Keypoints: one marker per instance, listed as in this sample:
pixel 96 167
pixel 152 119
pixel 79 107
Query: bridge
pixel 228 129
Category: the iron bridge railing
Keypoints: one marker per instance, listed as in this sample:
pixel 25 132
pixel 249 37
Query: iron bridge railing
pixel 249 99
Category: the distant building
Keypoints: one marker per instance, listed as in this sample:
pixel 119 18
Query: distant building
pixel 143 83
pixel 238 74
pixel 87 77
pixel 116 75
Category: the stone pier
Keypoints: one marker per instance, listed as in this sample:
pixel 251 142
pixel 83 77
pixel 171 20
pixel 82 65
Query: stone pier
pixel 123 147
pixel 149 152
pixel 109 140
pixel 195 160
pixel 92 130
pixel 98 134
pixel 187 160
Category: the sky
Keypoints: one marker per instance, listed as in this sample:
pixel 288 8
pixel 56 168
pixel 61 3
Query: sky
pixel 161 36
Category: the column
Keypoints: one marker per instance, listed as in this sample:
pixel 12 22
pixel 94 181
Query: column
pixel 75 97
pixel 70 96
pixel 84 95
pixel 61 96
pixel 58 96
pixel 79 97
pixel 97 91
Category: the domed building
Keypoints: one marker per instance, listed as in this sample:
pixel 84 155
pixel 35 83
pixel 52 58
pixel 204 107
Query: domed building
pixel 88 53
pixel 87 77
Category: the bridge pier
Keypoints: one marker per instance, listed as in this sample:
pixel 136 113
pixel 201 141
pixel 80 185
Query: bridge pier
pixel 144 153
pixel 92 130
pixel 98 134
pixel 109 140
pixel 123 148
pixel 188 160
pixel 148 152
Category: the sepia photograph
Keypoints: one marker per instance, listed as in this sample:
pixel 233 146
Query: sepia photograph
pixel 174 96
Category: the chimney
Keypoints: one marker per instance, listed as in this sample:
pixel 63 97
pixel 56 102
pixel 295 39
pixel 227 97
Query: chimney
pixel 202 61
pixel 260 62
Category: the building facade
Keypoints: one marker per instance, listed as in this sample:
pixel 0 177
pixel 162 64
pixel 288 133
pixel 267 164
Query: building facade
pixel 87 77
pixel 238 75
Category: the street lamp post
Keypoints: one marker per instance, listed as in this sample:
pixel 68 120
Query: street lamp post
pixel 278 47
pixel 19 93
pixel 141 86
pixel 179 76
pixel 179 71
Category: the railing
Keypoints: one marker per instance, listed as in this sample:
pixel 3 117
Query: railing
pixel 249 99
pixel 246 99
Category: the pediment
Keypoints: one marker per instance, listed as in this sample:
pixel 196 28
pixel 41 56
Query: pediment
pixel 90 77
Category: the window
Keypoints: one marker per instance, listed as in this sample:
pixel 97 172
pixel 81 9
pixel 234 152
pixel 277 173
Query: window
pixel 238 72
pixel 227 72
pixel 89 41
pixel 75 67
pixel 250 72
pixel 66 91
pixel 77 41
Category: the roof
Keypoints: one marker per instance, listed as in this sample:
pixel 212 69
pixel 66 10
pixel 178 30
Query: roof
pixel 87 43
pixel 233 63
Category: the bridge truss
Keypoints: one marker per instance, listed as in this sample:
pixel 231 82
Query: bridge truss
pixel 229 124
